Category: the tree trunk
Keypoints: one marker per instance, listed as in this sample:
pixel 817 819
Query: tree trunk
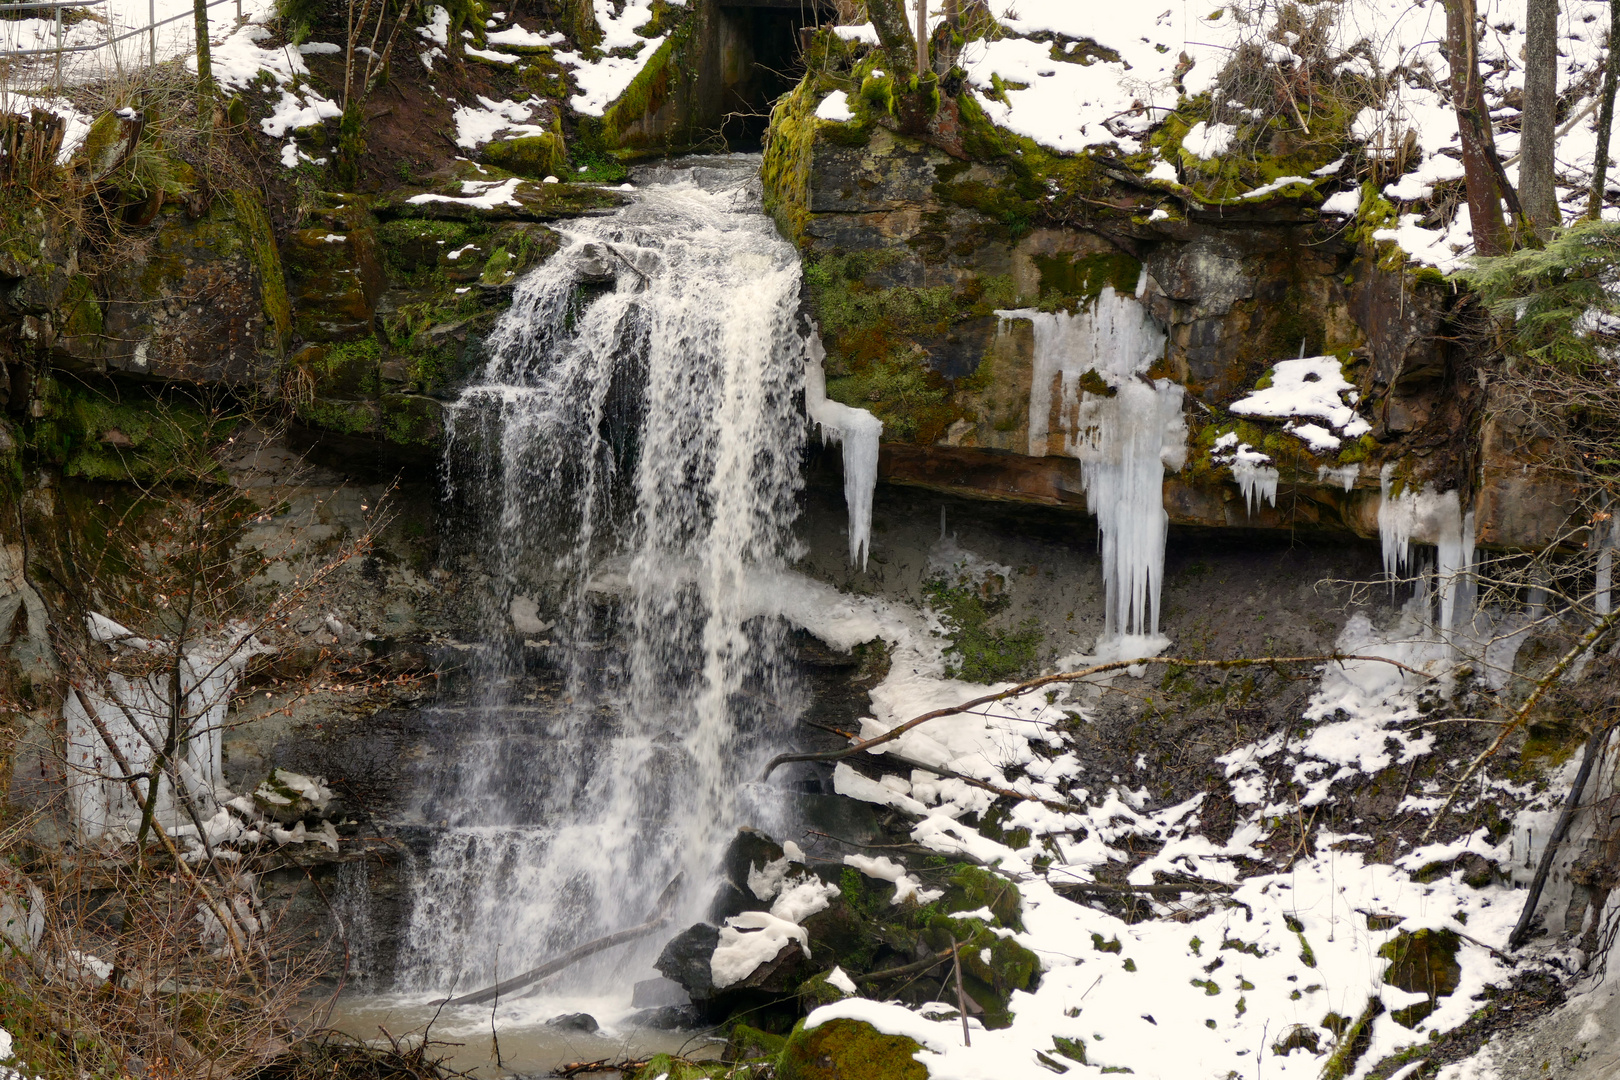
pixel 1474 126
pixel 1537 123
pixel 1600 164
pixel 205 69
pixel 893 29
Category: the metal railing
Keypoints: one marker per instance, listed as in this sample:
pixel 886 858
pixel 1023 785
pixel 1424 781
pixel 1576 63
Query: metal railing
pixel 60 49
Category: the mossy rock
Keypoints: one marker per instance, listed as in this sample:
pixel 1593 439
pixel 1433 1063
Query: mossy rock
pixel 412 420
pixel 534 156
pixel 1423 962
pixel 529 201
pixel 336 278
pixel 816 991
pixel 751 1044
pixel 971 888
pixel 128 435
pixel 849 1050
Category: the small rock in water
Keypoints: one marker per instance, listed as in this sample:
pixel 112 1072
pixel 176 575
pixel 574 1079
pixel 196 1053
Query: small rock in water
pixel 574 1022
pixel 665 1018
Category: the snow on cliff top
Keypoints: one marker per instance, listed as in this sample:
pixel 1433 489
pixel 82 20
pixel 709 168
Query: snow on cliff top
pixel 1065 93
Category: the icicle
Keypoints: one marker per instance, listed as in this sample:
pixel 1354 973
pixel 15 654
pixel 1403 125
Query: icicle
pixel 1124 440
pixel 1344 475
pixel 1435 519
pixel 1257 482
pixel 858 432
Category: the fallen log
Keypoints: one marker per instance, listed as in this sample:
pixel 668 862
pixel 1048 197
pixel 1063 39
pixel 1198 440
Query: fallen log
pixel 657 919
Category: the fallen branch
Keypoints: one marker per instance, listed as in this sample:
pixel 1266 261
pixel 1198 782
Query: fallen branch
pixel 916 968
pixel 1068 677
pixel 1105 888
pixel 1521 929
pixel 1521 715
pixel 658 919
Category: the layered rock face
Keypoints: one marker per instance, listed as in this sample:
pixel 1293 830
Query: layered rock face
pixel 935 243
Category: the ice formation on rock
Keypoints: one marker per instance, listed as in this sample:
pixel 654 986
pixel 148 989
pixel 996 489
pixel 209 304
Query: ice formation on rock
pixel 1124 440
pixel 858 432
pixel 1431 518
pixel 134 711
pixel 1251 469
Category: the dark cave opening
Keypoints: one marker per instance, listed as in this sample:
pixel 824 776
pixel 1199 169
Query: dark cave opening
pixel 762 53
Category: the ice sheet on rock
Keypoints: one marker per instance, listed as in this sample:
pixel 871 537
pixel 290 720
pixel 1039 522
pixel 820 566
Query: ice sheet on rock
pixel 835 107
pixel 858 432
pixel 481 194
pixel 1431 518
pixel 883 868
pixel 602 76
pixel 802 898
pixel 489 120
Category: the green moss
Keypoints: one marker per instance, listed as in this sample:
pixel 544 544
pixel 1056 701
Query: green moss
pixel 1352 1042
pixel 534 156
pixel 1358 450
pixel 785 171
pixel 259 240
pixel 848 1050
pixel 136 435
pixel 1072 1048
pixel 978 652
pixel 345 417
pixel 1070 281
pixel 81 314
pixel 751 1044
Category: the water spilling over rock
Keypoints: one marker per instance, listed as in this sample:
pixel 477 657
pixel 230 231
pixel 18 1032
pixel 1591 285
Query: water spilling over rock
pixel 631 455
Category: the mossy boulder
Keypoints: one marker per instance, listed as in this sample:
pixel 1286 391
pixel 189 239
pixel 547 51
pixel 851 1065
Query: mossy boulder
pixel 204 302
pixel 1422 962
pixel 751 1044
pixel 849 1050
pixel 452 199
pixel 533 156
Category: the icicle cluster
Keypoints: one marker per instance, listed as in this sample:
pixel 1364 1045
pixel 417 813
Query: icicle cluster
pixel 1124 439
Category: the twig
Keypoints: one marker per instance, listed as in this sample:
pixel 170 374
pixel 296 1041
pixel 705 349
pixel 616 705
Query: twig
pixel 961 996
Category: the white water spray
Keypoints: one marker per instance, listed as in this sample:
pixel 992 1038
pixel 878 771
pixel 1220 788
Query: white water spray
pixel 632 455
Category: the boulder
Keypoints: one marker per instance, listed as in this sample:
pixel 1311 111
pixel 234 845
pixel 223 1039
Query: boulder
pixel 574 1022
pixel 849 1050
pixel 685 959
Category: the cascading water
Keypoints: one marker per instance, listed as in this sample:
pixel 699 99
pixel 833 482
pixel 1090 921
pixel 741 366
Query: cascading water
pixel 631 455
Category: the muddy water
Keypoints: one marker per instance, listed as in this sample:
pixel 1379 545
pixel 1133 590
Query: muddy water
pixel 527 1045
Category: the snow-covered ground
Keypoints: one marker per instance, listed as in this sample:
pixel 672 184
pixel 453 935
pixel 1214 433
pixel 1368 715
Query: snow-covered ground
pixel 1214 984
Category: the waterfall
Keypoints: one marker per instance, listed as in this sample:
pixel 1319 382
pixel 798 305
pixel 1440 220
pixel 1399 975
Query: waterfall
pixel 1125 433
pixel 630 458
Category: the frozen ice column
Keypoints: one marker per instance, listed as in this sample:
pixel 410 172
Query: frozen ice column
pixel 858 432
pixel 1124 438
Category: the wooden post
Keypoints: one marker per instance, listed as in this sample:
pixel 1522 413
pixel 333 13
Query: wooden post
pixel 922 37
pixel 956 962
